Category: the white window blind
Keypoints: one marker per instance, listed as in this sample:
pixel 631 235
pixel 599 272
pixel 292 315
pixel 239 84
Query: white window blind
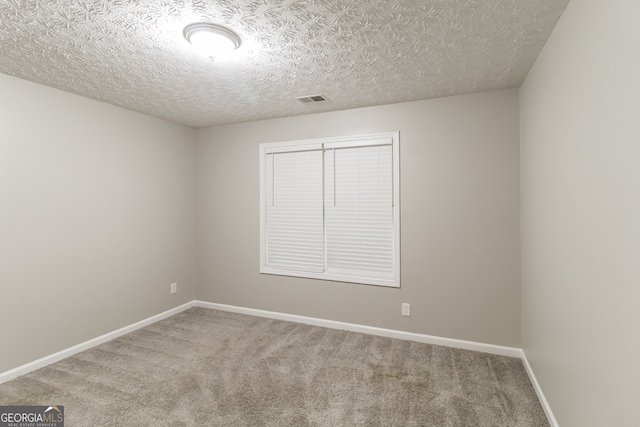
pixel 294 222
pixel 359 211
pixel 329 209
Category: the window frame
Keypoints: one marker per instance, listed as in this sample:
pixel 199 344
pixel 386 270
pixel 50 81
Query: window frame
pixel 352 141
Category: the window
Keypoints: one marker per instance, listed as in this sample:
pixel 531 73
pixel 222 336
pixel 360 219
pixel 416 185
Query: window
pixel 329 209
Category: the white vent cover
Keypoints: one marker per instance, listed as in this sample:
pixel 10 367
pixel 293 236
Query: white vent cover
pixel 311 98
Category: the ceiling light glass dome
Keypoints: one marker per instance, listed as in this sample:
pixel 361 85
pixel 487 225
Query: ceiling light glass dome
pixel 212 40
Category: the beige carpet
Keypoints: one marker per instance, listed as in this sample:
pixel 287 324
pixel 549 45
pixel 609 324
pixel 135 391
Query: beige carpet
pixel 211 368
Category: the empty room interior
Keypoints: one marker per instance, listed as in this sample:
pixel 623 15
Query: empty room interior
pixel 147 190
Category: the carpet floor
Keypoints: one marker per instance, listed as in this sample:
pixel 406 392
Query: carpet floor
pixel 206 367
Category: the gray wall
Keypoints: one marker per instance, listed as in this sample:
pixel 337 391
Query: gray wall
pixel 96 219
pixel 459 208
pixel 580 135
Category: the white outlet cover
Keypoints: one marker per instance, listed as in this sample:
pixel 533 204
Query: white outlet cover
pixel 406 309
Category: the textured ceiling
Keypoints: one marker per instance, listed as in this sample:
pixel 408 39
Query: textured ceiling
pixel 357 53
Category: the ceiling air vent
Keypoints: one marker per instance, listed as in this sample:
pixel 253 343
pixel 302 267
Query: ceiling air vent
pixel 311 98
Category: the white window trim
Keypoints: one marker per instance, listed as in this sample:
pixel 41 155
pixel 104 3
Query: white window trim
pixel 334 142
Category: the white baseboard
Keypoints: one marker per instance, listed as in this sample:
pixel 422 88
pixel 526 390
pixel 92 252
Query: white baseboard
pixel 371 330
pixel 538 389
pixel 47 360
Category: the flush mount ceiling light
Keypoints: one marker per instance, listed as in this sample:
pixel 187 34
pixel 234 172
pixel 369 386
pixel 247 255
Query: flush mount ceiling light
pixel 212 40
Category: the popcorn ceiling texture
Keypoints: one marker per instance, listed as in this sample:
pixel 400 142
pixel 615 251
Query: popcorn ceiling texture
pixel 357 53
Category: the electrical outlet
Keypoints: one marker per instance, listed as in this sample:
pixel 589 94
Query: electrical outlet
pixel 174 288
pixel 406 309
